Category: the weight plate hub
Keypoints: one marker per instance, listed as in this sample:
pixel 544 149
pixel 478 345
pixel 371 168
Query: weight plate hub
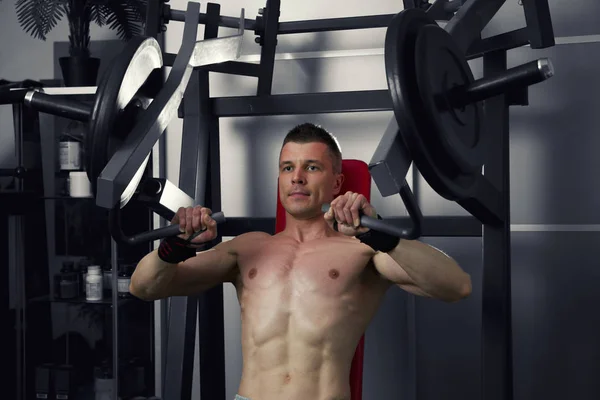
pixel 118 101
pixel 422 64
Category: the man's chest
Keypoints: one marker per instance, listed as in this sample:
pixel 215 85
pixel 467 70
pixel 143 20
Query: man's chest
pixel 330 267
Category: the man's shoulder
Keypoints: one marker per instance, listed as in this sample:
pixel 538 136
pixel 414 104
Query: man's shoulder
pixel 249 237
pixel 242 242
pixel 256 235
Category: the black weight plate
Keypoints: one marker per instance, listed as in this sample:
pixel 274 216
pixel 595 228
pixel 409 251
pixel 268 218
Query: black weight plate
pixel 400 41
pixel 409 110
pixel 456 135
pixel 115 103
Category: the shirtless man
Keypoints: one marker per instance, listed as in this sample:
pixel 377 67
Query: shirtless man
pixel 308 293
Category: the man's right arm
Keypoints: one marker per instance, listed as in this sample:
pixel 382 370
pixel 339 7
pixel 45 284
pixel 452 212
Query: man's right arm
pixel 155 279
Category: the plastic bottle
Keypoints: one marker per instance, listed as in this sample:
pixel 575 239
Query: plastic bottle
pixel 70 147
pixel 93 282
pixel 124 281
pixel 103 384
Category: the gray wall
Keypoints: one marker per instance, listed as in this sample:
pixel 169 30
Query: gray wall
pixel 554 254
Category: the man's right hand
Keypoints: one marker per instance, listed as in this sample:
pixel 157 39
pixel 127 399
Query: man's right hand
pixel 195 219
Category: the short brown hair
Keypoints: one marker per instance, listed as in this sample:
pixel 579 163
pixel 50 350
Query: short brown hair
pixel 309 133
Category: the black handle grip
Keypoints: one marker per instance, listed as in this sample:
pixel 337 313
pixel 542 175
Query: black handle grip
pixel 173 230
pixel 416 217
pixel 143 237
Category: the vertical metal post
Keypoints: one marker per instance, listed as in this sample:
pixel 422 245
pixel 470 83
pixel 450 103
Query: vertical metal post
pixel 181 331
pixel 16 296
pixel 18 121
pixel 153 27
pixel 269 45
pixel 193 140
pixel 161 307
pixel 154 20
pixel 211 312
pixel 210 303
pixel 179 360
pixel 17 264
pixel 114 259
pixel 539 23
pixel 496 329
pixel 410 379
pixel 192 180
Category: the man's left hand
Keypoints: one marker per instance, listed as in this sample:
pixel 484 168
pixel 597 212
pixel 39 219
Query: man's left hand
pixel 346 210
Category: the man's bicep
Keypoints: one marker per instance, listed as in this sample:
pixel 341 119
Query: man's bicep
pixel 393 273
pixel 205 270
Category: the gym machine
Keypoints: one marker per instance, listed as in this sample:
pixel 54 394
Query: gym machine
pixel 440 123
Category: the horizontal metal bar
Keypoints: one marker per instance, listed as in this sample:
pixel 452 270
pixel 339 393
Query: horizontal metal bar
pixel 578 39
pixel 227 22
pixel 228 67
pixel 235 226
pixel 335 24
pixel 432 226
pixel 505 41
pixel 303 55
pixel 305 103
pixel 235 68
pixel 308 26
pixel 75 90
pixel 555 228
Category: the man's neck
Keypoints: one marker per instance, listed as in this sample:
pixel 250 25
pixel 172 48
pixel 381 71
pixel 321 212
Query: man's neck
pixel 304 230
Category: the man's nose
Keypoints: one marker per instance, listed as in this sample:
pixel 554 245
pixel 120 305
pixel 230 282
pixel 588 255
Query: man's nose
pixel 298 178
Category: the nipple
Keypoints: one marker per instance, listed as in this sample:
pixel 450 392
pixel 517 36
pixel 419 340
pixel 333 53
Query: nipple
pixel 252 273
pixel 334 273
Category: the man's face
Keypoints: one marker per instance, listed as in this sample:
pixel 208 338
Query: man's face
pixel 307 179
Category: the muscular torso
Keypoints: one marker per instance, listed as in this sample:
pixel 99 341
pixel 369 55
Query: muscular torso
pixel 304 308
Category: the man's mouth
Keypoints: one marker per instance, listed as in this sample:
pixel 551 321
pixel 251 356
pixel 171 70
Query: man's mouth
pixel 299 194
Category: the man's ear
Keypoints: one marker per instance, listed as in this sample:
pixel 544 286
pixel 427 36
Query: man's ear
pixel 337 184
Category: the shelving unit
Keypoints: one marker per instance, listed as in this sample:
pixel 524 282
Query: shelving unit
pixel 71 341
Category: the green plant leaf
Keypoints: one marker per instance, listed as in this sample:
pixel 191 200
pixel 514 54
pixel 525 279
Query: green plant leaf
pixel 97 15
pixel 38 17
pixel 124 17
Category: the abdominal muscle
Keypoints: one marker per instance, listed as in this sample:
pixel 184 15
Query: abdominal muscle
pixel 304 308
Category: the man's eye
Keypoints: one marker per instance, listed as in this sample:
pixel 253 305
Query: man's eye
pixel 314 167
pixel 286 168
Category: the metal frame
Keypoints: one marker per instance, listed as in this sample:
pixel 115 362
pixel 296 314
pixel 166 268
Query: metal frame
pixel 201 116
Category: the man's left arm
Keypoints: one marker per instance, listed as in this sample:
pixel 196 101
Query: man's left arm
pixel 423 270
pixel 414 266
